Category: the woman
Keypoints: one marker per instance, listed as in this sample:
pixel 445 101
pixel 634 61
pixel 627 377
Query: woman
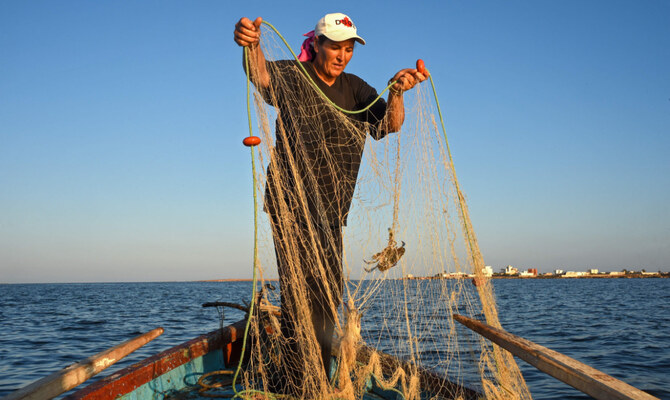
pixel 312 176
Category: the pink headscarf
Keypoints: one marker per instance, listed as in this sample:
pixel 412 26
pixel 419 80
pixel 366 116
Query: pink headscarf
pixel 307 45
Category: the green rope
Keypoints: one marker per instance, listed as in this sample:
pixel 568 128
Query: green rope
pixel 253 172
pixel 453 171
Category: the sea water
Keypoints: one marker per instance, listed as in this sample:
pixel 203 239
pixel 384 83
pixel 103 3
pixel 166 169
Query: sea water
pixel 619 326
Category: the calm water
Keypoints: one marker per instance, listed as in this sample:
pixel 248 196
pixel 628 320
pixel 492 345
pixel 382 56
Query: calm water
pixel 620 326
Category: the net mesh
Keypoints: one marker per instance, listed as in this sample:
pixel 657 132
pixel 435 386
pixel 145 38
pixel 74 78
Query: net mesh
pixel 377 284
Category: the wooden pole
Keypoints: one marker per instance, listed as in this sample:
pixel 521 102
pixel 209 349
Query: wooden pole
pixel 61 381
pixel 586 379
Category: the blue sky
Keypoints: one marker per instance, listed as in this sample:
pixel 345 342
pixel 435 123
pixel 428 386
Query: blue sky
pixel 121 122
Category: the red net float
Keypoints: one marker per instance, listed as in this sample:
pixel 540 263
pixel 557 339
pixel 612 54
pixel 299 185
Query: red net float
pixel 421 67
pixel 250 141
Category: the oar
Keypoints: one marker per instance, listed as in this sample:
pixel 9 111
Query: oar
pixel 586 379
pixel 61 381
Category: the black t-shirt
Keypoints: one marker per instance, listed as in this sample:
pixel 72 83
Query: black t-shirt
pixel 318 149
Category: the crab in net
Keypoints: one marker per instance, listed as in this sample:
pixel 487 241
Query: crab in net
pixel 387 258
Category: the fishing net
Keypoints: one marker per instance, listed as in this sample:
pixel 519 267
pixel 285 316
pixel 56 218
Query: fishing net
pixel 387 273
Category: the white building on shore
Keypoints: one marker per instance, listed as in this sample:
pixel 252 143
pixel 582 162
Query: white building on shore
pixel 510 270
pixel 574 274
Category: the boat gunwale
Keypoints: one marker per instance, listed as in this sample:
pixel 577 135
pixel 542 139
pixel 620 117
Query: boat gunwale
pixel 130 378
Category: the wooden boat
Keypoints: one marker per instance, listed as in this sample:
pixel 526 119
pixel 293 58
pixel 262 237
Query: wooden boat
pixel 175 373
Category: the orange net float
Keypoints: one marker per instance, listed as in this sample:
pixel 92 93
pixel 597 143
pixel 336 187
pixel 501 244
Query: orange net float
pixel 250 141
pixel 421 67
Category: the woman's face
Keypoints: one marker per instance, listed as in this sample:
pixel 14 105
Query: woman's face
pixel 332 57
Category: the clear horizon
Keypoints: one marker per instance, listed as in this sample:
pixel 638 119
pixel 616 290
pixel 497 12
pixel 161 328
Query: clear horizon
pixel 121 127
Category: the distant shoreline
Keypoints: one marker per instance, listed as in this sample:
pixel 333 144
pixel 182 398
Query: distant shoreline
pixel 664 275
pixel 235 280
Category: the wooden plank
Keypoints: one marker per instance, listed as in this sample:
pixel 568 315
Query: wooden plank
pixel 586 379
pixel 61 381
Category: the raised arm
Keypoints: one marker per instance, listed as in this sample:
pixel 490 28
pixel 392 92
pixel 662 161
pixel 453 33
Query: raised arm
pixel 395 111
pixel 248 34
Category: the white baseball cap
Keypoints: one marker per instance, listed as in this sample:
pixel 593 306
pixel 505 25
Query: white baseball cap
pixel 337 27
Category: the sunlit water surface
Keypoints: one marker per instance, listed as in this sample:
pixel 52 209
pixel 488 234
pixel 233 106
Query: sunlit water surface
pixel 619 326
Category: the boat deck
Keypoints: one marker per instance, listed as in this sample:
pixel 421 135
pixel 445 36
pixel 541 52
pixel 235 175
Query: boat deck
pixel 174 374
pixel 194 392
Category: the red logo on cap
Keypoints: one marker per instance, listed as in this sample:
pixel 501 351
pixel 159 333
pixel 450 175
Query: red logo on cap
pixel 344 21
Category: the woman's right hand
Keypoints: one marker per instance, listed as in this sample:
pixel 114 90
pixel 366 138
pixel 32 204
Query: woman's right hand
pixel 247 32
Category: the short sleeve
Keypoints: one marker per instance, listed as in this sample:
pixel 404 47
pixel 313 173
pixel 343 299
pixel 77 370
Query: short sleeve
pixel 281 70
pixel 366 94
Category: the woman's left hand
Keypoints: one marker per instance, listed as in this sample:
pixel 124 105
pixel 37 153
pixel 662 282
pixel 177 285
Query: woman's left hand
pixel 406 79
